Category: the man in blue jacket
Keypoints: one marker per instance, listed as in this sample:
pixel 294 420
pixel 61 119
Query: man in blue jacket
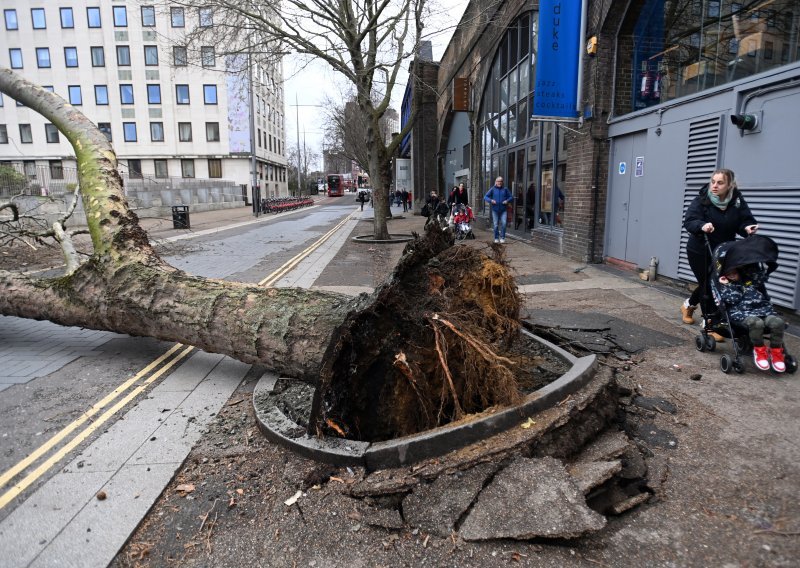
pixel 499 196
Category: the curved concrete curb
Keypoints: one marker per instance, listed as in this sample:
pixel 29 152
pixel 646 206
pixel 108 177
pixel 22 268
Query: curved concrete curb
pixel 393 239
pixel 410 449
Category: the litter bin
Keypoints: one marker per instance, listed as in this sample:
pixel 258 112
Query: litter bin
pixel 180 217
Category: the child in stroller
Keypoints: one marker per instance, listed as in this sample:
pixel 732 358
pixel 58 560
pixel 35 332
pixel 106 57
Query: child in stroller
pixel 740 270
pixel 462 219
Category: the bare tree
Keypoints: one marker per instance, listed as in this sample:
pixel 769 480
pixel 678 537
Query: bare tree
pixel 368 43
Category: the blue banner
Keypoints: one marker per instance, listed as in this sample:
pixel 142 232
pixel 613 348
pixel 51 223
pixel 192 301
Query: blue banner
pixel 557 57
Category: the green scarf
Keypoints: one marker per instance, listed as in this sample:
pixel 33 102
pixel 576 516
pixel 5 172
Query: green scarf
pixel 721 204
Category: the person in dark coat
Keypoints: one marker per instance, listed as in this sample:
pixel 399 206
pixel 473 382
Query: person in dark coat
pixel 719 212
pixel 458 196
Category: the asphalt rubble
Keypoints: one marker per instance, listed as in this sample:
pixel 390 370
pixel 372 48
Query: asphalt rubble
pixel 714 457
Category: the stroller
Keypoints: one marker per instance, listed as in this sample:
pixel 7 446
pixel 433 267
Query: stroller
pixel 462 218
pixel 756 252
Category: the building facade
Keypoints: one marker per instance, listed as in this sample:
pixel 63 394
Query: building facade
pixel 176 115
pixel 671 90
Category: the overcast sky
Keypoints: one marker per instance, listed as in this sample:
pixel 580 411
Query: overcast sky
pixel 307 87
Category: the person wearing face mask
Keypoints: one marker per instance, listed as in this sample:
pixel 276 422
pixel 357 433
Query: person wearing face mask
pixel 719 212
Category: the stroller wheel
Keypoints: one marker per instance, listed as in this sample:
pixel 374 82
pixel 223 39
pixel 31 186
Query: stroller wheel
pixel 738 365
pixel 725 363
pixel 791 364
pixel 700 343
pixel 711 343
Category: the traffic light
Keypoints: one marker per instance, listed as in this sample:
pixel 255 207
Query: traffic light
pixel 745 121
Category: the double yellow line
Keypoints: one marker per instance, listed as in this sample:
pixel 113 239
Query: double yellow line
pixel 133 387
pixel 164 363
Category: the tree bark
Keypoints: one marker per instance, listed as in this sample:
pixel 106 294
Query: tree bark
pixel 125 287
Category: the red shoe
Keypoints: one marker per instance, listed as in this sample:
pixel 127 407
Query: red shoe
pixel 761 357
pixel 776 359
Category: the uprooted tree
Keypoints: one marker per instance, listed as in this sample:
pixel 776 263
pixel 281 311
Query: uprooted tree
pixel 428 347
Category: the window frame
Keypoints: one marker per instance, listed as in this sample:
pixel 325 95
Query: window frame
pixel 11 52
pixel 156 89
pixel 43 24
pixel 208 20
pixel 77 89
pixel 206 91
pixel 39 61
pixel 177 52
pixel 165 163
pixel 182 126
pixel 212 139
pixel 50 130
pixel 126 88
pixel 125 132
pixel 151 11
pixel 93 10
pixel 56 168
pixel 154 138
pixel 98 49
pixel 133 172
pixel 123 49
pixel 173 12
pixel 204 50
pixel 99 89
pixel 217 162
pixel 6 14
pixel 25 129
pixel 66 10
pixel 184 163
pixel 3 134
pixel 148 55
pixel 66 59
pixel 122 12
pixel 178 89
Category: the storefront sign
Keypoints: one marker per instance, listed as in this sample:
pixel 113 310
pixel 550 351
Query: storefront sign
pixel 557 59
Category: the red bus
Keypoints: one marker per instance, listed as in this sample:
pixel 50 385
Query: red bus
pixel 335 185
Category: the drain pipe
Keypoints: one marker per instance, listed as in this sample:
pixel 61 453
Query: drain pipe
pixel 595 199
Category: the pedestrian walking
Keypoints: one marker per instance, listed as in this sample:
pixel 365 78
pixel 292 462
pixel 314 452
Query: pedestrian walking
pixel 404 197
pixel 499 197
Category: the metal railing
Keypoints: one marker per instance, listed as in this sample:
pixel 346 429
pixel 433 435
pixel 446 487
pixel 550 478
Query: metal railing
pixel 38 180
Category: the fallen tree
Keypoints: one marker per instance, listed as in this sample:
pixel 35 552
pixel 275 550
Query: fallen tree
pixel 437 360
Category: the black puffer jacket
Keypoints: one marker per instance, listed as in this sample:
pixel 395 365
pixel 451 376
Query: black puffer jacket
pixel 727 224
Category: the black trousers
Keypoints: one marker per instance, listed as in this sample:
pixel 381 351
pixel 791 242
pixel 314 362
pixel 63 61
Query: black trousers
pixel 700 263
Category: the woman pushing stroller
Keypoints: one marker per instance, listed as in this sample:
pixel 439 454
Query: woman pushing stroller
pixel 741 292
pixel 720 213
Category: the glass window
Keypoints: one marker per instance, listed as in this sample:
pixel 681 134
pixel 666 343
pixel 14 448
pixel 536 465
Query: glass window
pixel 71 56
pixel 101 94
pixel 214 168
pixel 207 56
pixel 161 168
pixel 39 21
pixel 51 133
pixel 210 94
pixel 154 94
pixel 148 16
pixel 157 131
pixel 98 56
pixel 11 19
pixel 123 55
pixel 56 169
pixel 67 19
pixel 150 55
pixel 15 55
pixel 212 131
pixel 75 97
pixel 3 134
pixel 120 16
pixel 48 88
pixel 25 134
pixel 206 17
pixel 182 94
pixel 179 56
pixel 93 17
pixel 135 169
pixel 187 168
pixel 129 131
pixel 105 128
pixel 43 57
pixel 176 17
pixel 185 131
pixel 126 94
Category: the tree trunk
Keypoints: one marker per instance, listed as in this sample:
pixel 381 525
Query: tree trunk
pixel 125 287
